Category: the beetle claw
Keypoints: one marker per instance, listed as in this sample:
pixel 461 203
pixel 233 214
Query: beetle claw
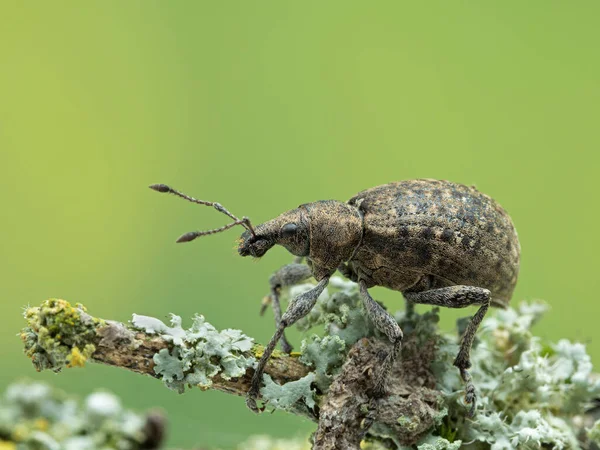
pixel 471 399
pixel 251 404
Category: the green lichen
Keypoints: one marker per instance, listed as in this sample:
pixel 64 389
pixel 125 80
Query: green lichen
pixel 338 309
pixel 289 396
pixel 270 443
pixel 593 433
pixel 58 335
pixel 409 423
pixel 35 416
pixel 198 353
pixel 529 390
pixel 438 443
pixel 326 355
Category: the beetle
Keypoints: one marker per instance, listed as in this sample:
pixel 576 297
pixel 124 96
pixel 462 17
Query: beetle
pixel 437 242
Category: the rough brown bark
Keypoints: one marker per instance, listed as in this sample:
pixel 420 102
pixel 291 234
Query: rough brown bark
pixel 408 411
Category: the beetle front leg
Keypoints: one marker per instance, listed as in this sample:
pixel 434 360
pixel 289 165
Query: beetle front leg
pixel 459 297
pixel 288 275
pixel 297 309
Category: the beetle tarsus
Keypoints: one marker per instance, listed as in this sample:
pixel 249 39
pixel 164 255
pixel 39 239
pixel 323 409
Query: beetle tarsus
pixel 369 418
pixel 470 394
pixel 251 402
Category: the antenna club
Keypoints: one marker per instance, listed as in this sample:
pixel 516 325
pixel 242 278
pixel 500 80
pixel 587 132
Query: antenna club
pixel 187 237
pixel 160 188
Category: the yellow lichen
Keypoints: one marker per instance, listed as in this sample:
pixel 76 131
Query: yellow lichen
pixel 76 358
pixel 258 351
pixel 19 433
pixel 40 424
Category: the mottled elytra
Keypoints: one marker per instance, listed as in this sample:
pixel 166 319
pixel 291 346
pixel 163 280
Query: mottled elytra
pixel 437 242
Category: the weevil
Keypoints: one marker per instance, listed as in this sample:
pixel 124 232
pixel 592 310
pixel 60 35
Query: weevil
pixel 437 242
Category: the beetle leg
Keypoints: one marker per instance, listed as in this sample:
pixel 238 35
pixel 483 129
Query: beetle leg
pixel 345 270
pixel 297 309
pixel 274 301
pixel 410 308
pixel 459 297
pixel 288 275
pixel 385 323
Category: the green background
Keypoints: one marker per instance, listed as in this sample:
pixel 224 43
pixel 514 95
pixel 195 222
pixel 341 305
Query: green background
pixel 263 106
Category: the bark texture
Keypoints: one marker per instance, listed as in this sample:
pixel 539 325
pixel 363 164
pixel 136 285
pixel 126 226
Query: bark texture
pixel 407 412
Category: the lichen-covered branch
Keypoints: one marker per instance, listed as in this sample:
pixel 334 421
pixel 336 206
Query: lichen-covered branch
pixel 532 394
pixel 60 335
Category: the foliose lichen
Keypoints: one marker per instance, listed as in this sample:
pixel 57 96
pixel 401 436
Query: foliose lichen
pixel 35 416
pixel 338 309
pixel 262 442
pixel 326 355
pixel 290 396
pixel 198 353
pixel 530 391
pixel 438 443
pixel 593 433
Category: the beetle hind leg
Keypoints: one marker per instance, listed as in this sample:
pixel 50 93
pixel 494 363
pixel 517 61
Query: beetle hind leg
pixel 459 297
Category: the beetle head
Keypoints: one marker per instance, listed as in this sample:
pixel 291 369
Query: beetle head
pixel 289 230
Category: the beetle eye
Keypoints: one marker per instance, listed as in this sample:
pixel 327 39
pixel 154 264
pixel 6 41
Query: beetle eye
pixel 289 229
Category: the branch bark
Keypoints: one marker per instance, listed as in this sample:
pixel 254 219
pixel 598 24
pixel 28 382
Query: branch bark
pixel 114 340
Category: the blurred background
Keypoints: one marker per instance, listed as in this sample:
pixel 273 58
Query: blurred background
pixel 263 106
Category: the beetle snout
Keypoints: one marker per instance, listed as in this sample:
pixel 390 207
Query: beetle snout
pixel 254 246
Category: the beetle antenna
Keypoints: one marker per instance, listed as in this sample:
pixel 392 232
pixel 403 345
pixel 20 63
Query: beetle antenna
pixel 244 221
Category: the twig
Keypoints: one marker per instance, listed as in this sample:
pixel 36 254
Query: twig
pixel 60 335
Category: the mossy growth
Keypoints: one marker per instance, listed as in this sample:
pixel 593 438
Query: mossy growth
pixel 58 335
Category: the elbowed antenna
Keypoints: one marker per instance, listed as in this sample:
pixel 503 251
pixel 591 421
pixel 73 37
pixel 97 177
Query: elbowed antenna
pixel 244 221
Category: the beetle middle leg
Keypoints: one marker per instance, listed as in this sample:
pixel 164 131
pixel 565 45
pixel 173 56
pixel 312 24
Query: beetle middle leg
pixel 288 275
pixel 299 307
pixel 459 297
pixel 385 323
